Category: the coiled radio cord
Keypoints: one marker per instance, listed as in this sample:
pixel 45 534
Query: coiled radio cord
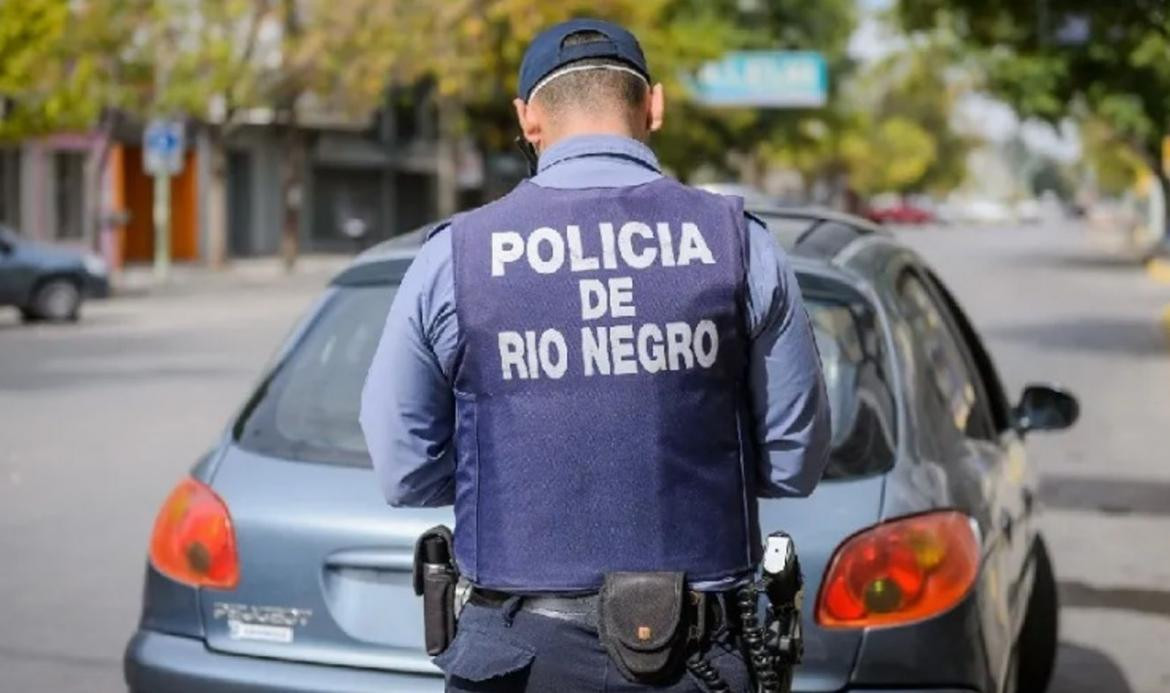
pixel 709 675
pixel 755 639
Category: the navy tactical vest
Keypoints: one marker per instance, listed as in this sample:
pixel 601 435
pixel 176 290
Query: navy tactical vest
pixel 600 387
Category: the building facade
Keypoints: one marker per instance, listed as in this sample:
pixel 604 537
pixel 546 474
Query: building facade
pixel 358 185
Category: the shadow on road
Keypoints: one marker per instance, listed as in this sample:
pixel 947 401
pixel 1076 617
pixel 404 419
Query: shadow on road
pixel 1109 496
pixel 13 325
pixel 1078 261
pixel 22 654
pixel 1081 669
pixel 63 357
pixel 1152 602
pixel 1110 335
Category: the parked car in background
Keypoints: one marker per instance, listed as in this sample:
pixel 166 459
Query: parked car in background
pixel 277 565
pixel 897 210
pixel 46 282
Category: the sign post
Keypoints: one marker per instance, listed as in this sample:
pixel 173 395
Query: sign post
pixel 162 157
pixel 764 79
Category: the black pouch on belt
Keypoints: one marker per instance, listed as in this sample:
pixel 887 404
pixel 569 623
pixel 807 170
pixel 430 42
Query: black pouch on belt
pixel 642 622
pixel 435 578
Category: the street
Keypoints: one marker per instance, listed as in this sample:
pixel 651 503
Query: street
pixel 100 419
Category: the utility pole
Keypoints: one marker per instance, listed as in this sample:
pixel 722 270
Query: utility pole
pixel 162 226
pixel 162 157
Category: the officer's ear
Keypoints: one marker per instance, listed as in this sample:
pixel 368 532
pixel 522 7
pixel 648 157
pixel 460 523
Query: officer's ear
pixel 529 119
pixel 657 108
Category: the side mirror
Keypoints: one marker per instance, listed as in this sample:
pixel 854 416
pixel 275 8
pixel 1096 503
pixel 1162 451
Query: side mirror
pixel 1045 408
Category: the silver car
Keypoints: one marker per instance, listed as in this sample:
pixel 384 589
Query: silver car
pixel 277 566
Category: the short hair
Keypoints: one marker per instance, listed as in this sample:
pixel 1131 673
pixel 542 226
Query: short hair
pixel 591 89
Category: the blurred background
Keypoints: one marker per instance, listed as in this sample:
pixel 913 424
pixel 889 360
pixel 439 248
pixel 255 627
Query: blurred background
pixel 310 126
pixel 207 164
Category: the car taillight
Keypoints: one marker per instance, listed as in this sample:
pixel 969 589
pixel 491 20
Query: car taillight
pixel 900 571
pixel 193 541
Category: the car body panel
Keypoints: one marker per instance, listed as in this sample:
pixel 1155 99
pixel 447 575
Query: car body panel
pixel 344 557
pixel 175 664
pixel 359 613
pixel 840 508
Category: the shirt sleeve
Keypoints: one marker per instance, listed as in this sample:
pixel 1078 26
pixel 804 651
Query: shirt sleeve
pixel 787 387
pixel 408 410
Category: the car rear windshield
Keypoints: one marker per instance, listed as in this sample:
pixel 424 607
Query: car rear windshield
pixel 307 408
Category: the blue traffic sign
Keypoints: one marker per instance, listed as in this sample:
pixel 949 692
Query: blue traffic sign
pixel 776 79
pixel 162 147
pixel 162 141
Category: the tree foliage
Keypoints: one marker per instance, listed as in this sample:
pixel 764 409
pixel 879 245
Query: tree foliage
pixel 1057 58
pixel 922 86
pixel 1116 169
pixel 44 86
pixel 891 155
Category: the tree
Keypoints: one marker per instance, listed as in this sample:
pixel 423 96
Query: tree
pixel 1116 169
pixel 469 52
pixel 1053 59
pixel 208 61
pixel 199 61
pixel 922 85
pixel 889 129
pixel 892 155
pixel 43 86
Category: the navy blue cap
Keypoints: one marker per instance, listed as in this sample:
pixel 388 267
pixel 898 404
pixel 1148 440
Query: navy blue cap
pixel 546 54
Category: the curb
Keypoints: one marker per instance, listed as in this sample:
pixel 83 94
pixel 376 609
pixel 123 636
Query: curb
pixel 1158 270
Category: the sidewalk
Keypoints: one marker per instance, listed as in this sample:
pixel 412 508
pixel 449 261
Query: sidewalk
pixel 190 278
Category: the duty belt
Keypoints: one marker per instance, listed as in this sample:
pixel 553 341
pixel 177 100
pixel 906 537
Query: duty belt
pixel 582 609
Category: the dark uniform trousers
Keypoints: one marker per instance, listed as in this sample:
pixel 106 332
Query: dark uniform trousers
pixel 506 649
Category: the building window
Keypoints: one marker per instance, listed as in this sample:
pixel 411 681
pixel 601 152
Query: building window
pixel 69 176
pixel 10 187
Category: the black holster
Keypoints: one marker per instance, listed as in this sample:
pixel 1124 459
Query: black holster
pixel 435 578
pixel 646 624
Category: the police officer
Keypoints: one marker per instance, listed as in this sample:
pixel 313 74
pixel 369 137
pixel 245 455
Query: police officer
pixel 602 370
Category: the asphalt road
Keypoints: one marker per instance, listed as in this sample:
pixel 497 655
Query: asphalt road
pixel 98 421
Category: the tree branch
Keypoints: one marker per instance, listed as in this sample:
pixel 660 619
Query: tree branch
pixel 260 10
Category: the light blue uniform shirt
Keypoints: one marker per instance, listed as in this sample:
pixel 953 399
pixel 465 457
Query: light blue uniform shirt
pixel 408 409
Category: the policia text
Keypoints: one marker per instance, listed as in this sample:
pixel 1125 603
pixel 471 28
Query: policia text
pixel 621 349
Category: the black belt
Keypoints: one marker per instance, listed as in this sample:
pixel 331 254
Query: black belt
pixel 582 608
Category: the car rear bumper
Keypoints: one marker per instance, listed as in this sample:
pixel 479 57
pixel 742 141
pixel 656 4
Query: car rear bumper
pixel 162 662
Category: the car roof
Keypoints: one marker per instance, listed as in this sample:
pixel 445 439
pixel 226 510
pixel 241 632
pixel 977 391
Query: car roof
pixel 817 237
pixel 822 234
